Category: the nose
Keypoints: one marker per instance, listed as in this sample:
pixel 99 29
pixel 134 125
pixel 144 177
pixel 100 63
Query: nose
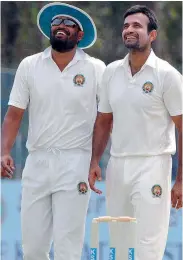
pixel 62 25
pixel 130 29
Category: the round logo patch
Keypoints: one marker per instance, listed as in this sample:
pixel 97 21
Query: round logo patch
pixel 156 191
pixel 79 80
pixel 82 187
pixel 148 87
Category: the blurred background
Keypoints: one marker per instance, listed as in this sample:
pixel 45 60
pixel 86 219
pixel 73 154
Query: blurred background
pixel 20 37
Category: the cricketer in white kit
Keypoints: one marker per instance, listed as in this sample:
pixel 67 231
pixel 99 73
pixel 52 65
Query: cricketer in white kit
pixel 142 96
pixel 60 88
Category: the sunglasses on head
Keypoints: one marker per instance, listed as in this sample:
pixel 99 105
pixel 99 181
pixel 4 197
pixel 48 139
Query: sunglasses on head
pixel 66 21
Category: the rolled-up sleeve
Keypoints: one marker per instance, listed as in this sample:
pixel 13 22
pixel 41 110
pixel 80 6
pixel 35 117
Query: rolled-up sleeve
pixel 100 68
pixel 19 96
pixel 104 105
pixel 173 92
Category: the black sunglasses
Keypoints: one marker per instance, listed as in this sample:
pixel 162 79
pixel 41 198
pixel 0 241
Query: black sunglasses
pixel 66 21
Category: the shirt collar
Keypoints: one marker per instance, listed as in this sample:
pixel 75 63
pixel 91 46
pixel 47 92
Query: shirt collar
pixel 151 60
pixel 79 55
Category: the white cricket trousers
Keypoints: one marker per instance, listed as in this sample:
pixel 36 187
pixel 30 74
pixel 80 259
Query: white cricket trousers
pixel 141 187
pixel 53 208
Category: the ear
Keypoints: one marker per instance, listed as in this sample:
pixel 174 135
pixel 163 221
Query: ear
pixel 153 35
pixel 80 35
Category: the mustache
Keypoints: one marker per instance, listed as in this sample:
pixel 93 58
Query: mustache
pixel 61 30
pixel 131 34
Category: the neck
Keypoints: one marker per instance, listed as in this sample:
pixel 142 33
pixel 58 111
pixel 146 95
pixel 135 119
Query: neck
pixel 63 59
pixel 137 59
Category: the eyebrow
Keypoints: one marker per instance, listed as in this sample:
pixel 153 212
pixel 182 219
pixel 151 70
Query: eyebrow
pixel 133 23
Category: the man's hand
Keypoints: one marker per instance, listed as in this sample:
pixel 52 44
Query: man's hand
pixel 176 195
pixel 94 174
pixel 7 166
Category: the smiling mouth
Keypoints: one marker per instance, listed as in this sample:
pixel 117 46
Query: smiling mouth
pixel 130 38
pixel 60 33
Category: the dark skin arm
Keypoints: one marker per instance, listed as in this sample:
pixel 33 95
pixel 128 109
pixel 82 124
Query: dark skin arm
pixel 102 129
pixel 10 128
pixel 176 194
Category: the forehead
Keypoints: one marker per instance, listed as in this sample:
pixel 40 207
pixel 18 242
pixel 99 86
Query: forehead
pixel 137 18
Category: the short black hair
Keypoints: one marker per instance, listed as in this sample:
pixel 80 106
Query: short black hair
pixel 153 22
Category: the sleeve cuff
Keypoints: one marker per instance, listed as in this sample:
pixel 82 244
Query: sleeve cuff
pixel 16 104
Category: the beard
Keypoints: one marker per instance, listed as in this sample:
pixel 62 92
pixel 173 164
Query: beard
pixel 63 45
pixel 135 45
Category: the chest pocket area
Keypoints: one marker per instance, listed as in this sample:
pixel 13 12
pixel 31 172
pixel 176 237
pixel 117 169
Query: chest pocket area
pixel 79 92
pixel 149 95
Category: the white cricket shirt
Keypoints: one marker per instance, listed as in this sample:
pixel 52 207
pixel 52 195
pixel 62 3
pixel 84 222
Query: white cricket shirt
pixel 62 105
pixel 142 106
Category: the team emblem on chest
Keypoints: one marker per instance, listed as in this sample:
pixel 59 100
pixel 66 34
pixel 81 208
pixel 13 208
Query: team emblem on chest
pixel 156 191
pixel 79 80
pixel 148 87
pixel 82 187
